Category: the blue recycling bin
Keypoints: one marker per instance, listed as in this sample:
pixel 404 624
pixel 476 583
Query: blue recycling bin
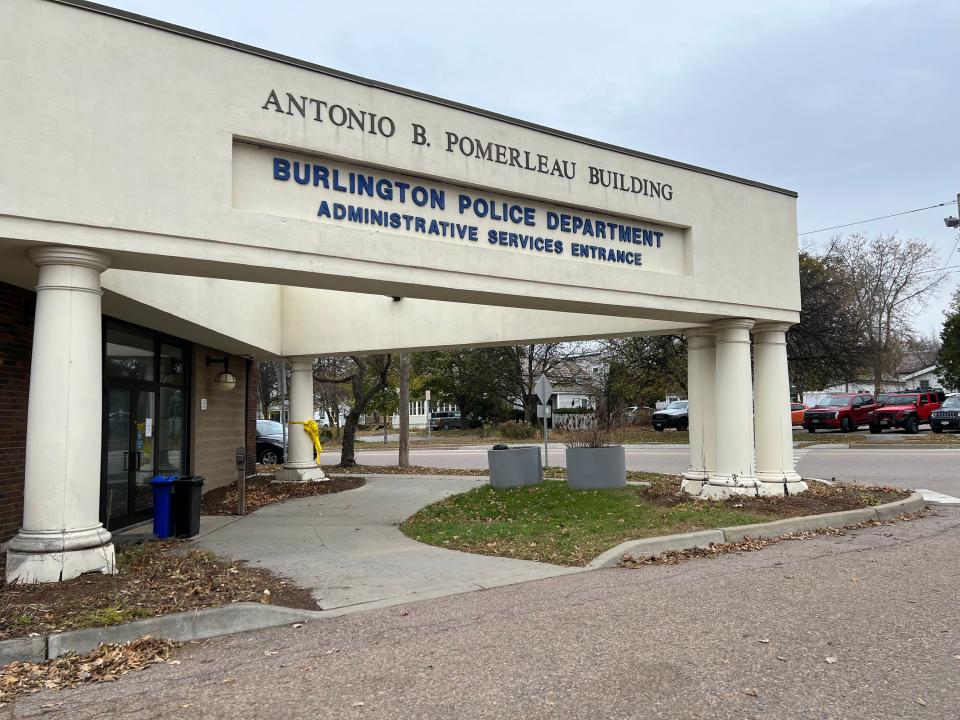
pixel 162 505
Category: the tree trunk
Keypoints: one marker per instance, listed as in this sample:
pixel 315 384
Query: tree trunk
pixel 404 458
pixel 348 453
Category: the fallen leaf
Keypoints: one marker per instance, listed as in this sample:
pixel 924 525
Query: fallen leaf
pixel 359 703
pixel 830 660
pixel 781 658
pixel 764 640
pixel 752 692
pixel 920 701
pixel 298 625
pixel 270 653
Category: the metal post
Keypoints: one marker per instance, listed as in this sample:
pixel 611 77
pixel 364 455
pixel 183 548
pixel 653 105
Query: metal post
pixel 429 423
pixel 546 450
pixel 404 455
pixel 283 404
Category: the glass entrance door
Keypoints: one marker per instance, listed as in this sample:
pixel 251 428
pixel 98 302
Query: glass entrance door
pixel 130 456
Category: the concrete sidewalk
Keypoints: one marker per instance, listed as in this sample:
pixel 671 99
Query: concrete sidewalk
pixel 348 549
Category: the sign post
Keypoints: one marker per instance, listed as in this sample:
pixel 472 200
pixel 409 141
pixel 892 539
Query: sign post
pixel 544 392
pixel 429 423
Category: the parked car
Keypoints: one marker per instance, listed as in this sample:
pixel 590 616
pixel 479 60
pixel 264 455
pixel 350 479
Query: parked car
pixel 673 415
pixel 840 411
pixel 269 442
pixel 904 410
pixel 445 420
pixel 947 416
pixel 796 413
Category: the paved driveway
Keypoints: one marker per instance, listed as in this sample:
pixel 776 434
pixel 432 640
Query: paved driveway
pixel 348 549
pixel 743 636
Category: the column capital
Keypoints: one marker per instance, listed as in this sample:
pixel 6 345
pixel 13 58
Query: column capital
pixel 732 324
pixel 702 331
pixel 765 327
pixel 80 257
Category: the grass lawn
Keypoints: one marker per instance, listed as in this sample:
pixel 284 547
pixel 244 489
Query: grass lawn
pixel 551 523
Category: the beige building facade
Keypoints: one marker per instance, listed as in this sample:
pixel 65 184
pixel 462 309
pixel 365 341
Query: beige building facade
pixel 255 205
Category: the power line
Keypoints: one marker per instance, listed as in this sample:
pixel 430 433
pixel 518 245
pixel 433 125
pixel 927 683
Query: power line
pixel 882 217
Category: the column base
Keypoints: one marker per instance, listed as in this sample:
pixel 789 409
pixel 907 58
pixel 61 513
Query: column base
pixel 36 567
pixel 720 487
pixel 778 484
pixel 307 474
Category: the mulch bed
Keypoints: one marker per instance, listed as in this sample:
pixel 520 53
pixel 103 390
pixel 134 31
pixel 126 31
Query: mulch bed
pixel 155 578
pixel 675 557
pixel 262 491
pixel 820 498
pixel 106 663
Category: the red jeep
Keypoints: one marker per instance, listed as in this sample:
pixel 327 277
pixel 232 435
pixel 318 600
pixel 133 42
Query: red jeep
pixel 904 410
pixel 840 411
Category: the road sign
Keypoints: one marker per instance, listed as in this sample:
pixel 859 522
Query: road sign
pixel 544 389
pixel 542 408
pixel 428 395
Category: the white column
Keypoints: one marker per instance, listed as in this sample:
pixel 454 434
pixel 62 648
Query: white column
pixel 701 371
pixel 734 471
pixel 300 464
pixel 61 536
pixel 774 430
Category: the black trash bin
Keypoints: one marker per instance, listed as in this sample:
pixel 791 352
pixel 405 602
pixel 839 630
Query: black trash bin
pixel 187 490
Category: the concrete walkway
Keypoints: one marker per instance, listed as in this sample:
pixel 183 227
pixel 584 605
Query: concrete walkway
pixel 348 549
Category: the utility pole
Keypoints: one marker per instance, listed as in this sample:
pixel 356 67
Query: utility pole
pixel 404 459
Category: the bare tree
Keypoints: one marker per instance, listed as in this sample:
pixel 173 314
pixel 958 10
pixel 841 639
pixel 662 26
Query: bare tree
pixel 890 279
pixel 826 347
pixel 367 376
pixel 329 396
pixel 268 385
pixel 523 364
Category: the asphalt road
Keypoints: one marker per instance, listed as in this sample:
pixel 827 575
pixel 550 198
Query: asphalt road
pixel 927 468
pixel 741 636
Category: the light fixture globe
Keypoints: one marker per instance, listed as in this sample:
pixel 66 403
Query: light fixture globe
pixel 225 381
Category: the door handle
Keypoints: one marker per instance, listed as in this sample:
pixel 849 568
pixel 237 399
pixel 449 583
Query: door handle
pixel 139 460
pixel 126 461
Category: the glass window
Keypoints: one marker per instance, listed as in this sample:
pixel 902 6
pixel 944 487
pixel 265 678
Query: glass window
pixel 269 427
pixel 171 364
pixel 170 431
pixel 130 353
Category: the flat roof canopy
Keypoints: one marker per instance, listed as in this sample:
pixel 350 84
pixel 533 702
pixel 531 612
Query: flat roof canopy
pixel 184 154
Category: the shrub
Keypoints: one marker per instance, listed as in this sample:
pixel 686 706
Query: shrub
pixel 583 432
pixel 574 411
pixel 514 430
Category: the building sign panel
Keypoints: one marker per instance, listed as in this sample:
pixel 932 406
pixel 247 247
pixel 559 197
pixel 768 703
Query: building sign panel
pixel 330 192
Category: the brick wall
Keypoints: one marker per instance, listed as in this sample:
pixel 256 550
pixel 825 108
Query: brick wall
pixel 220 429
pixel 16 340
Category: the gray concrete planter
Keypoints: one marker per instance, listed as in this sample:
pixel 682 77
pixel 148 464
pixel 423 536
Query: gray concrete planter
pixel 515 467
pixel 596 468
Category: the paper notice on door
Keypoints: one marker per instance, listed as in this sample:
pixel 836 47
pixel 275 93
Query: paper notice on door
pixel 148 427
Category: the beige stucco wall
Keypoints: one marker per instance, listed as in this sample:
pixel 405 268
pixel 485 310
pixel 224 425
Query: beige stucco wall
pixel 218 431
pixel 124 137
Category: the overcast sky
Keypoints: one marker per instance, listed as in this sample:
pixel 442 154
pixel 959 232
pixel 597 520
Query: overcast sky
pixel 854 104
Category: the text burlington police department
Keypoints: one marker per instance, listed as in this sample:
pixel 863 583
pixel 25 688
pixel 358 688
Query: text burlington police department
pixel 345 117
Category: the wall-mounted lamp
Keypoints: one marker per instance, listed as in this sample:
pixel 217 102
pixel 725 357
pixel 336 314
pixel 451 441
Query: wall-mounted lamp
pixel 226 380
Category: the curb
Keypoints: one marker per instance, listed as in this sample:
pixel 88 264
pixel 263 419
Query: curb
pixel 907 446
pixel 190 625
pixel 243 617
pixel 651 547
